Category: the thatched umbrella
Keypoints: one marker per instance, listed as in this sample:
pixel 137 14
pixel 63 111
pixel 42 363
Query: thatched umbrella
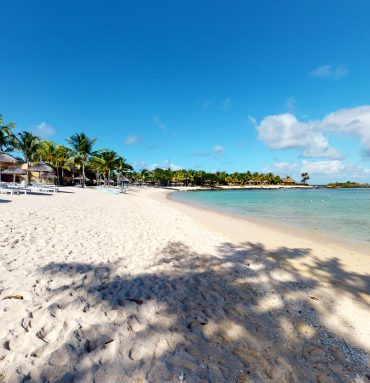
pixel 123 180
pixel 48 176
pixel 15 171
pixel 7 160
pixel 41 167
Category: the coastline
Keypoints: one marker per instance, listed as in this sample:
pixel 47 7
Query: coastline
pixel 349 244
pixel 243 187
pixel 136 287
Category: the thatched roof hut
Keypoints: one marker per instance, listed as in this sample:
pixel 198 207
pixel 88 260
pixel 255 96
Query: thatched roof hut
pixel 49 176
pixel 7 159
pixel 41 167
pixel 288 181
pixel 14 171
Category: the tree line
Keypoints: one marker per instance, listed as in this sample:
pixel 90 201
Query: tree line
pixel 201 178
pixel 78 156
pixel 81 157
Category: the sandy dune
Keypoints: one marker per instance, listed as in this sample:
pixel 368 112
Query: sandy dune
pixel 125 288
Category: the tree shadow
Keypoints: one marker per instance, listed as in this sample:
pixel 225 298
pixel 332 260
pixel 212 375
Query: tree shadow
pixel 244 314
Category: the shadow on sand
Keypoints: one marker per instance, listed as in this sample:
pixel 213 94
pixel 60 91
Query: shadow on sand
pixel 243 315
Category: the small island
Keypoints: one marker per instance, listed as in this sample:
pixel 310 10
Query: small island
pixel 347 185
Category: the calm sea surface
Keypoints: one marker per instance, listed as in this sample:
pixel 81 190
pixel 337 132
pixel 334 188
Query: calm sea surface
pixel 343 213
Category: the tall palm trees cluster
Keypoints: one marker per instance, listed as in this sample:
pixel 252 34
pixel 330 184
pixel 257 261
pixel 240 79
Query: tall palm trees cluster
pixel 78 157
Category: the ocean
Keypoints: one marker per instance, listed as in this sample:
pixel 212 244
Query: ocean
pixel 340 213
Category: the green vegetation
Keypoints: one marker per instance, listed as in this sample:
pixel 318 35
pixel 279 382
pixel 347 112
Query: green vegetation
pixel 81 158
pixel 78 157
pixel 348 185
pixel 7 137
pixel 305 177
pixel 184 177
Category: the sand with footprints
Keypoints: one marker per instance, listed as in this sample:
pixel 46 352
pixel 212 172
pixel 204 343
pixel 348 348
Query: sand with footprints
pixel 98 287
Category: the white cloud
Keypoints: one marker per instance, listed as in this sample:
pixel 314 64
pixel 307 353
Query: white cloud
pixel 335 168
pixel 330 71
pixel 219 150
pixel 132 140
pixel 284 131
pixel 284 168
pixel 165 165
pixel 226 103
pixel 353 121
pixel 44 130
pixel 323 167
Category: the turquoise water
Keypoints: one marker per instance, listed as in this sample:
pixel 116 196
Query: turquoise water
pixel 343 213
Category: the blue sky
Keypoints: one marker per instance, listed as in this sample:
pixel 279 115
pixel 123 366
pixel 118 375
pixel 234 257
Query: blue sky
pixel 278 86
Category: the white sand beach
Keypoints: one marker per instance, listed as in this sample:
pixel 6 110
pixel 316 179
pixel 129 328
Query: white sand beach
pixel 98 287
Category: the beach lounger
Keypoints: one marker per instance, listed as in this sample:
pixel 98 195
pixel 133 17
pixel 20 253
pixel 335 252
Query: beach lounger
pixel 20 188
pixel 24 190
pixel 8 190
pixel 43 187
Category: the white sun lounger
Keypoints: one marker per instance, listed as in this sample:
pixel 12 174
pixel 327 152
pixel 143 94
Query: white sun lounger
pixel 43 187
pixel 8 191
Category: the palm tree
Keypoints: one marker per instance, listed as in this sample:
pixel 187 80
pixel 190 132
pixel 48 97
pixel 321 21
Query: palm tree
pixel 47 152
pixel 28 144
pixel 305 177
pixel 7 137
pixel 82 147
pixel 122 165
pixel 62 160
pixel 105 162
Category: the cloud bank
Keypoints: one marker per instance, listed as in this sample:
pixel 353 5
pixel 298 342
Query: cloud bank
pixel 285 131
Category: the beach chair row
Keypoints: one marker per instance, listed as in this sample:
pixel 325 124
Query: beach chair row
pixel 11 188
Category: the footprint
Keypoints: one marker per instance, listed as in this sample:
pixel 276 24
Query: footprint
pixel 133 324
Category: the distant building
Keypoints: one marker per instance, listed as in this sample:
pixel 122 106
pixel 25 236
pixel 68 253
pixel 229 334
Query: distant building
pixel 288 181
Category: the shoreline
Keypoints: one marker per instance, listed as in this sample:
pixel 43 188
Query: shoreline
pixel 136 287
pixel 212 216
pixel 243 187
